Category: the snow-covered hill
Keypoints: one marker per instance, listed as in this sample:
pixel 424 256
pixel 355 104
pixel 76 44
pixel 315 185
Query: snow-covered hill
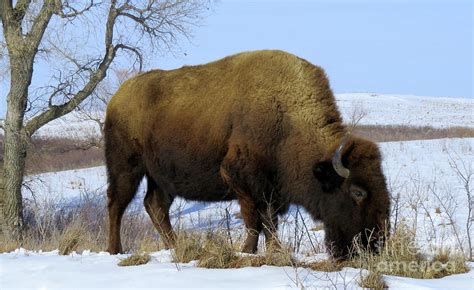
pixel 379 109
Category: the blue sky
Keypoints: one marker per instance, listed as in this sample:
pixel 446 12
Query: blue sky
pixel 403 47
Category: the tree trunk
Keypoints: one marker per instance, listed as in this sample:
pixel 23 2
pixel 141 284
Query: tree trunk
pixel 15 146
pixel 2 195
pixel 14 167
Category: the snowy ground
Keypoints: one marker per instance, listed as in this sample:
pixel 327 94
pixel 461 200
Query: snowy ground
pixel 379 110
pixel 99 270
pixel 408 110
pixel 412 167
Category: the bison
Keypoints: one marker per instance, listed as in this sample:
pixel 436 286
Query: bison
pixel 261 127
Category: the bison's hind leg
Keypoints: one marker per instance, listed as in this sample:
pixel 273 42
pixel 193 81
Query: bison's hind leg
pixel 122 188
pixel 157 205
pixel 125 170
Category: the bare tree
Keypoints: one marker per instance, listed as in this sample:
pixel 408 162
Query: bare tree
pixel 40 29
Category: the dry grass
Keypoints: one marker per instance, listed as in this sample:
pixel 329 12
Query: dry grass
pixel 217 253
pixel 327 265
pixel 188 247
pixel 373 280
pixel 405 133
pixel 401 256
pixel 7 245
pixel 213 250
pixel 56 154
pixel 70 238
pixel 135 260
pixel 82 226
pixel 272 257
pixel 147 244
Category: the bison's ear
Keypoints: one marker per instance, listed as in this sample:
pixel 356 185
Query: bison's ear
pixel 327 176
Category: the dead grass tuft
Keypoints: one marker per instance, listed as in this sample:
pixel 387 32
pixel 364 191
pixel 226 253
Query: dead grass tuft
pixel 135 260
pixel 148 244
pixel 373 280
pixel 217 253
pixel 7 245
pixel 213 250
pixel 70 238
pixel 188 247
pixel 328 265
pixel 401 256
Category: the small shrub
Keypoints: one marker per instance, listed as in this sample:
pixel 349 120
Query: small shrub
pixel 135 260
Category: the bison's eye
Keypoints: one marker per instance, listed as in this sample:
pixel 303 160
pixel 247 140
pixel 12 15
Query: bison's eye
pixel 358 194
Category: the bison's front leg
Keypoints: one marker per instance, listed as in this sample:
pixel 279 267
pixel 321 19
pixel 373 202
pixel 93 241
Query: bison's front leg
pixel 252 222
pixel 157 205
pixel 246 172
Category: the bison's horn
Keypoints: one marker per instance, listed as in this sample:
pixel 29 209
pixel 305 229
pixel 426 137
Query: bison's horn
pixel 337 159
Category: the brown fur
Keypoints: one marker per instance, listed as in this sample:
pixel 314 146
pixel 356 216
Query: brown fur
pixel 249 127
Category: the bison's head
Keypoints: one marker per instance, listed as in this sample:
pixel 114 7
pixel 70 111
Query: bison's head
pixel 355 202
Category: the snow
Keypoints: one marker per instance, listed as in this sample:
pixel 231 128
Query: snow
pixel 91 270
pixel 25 269
pixel 380 109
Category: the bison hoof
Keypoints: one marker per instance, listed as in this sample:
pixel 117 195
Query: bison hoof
pixel 114 250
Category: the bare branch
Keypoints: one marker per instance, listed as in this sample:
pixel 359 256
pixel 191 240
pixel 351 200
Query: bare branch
pixel 35 35
pixel 57 111
pixel 135 51
pixel 163 21
pixel 66 10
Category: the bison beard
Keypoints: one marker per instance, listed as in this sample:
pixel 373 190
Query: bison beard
pixel 261 127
